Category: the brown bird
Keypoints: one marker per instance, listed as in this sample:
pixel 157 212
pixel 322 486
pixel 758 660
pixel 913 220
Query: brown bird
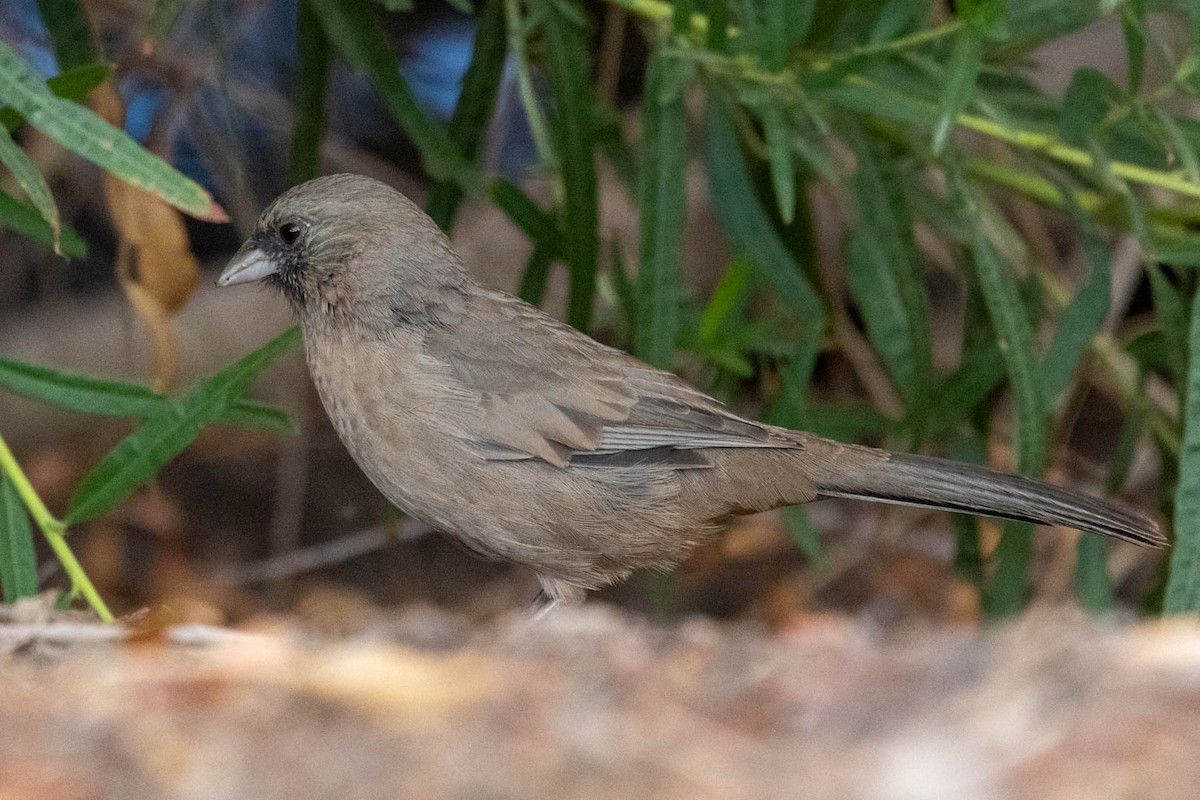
pixel 533 443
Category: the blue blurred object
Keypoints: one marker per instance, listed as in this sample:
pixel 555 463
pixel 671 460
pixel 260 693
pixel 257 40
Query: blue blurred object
pixel 254 47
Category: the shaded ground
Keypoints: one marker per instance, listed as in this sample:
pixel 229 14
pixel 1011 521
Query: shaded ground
pixel 593 703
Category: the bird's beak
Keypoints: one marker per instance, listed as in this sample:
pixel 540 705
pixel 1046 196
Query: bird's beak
pixel 249 264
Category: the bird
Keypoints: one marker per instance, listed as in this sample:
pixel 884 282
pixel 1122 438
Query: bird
pixel 530 442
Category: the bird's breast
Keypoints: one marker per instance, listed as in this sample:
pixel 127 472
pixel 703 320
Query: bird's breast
pixel 393 410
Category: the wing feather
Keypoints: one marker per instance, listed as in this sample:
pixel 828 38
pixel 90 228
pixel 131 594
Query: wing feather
pixel 547 391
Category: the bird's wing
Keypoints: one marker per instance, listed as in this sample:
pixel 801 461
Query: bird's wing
pixel 545 390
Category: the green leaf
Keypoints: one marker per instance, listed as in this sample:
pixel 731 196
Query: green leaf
pixel 572 123
pixel 984 16
pixel 525 214
pixel 779 156
pixel 729 295
pixel 1181 150
pixel 308 106
pixel 18 559
pixel 663 211
pixel 1015 337
pixel 804 534
pixel 476 101
pixel 1177 250
pixel 536 276
pixel 26 220
pixel 67 23
pixel 787 23
pixel 1183 583
pixel 1171 314
pixel 977 377
pixel 968 553
pixel 163 17
pixel 78 129
pixel 1093 586
pixel 89 395
pixel 871 98
pixel 681 19
pixel 74 84
pixel 1133 25
pixel 1085 106
pixel 139 456
pixel 352 27
pixel 718 25
pixel 745 221
pixel 792 408
pixel 32 183
pixel 962 72
pixel 1082 319
pixel 885 275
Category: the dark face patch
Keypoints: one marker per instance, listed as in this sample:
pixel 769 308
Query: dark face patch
pixel 286 243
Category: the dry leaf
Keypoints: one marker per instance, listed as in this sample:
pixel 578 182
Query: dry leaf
pixel 155 266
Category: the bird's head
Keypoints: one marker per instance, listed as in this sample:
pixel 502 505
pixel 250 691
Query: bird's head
pixel 347 249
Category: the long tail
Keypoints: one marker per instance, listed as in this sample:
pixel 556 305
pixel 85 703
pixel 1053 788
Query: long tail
pixel 954 486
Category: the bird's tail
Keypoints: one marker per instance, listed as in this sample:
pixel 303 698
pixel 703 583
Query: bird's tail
pixel 954 486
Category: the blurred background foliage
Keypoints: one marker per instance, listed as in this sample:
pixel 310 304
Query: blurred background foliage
pixel 944 226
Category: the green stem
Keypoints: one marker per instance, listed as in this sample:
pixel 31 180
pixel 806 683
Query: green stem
pixel 1164 219
pixel 904 42
pixel 1047 144
pixel 529 101
pixel 1054 147
pixel 52 528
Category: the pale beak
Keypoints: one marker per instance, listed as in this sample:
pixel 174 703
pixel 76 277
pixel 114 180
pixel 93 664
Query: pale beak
pixel 249 264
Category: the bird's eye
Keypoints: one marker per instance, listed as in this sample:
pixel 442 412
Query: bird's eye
pixel 289 233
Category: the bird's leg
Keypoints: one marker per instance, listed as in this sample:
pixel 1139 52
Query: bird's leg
pixel 542 606
pixel 553 595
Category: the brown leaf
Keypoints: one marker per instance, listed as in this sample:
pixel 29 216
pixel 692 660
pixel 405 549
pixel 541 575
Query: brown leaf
pixel 155 266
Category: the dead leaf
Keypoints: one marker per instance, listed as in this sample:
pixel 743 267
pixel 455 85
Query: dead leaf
pixel 156 267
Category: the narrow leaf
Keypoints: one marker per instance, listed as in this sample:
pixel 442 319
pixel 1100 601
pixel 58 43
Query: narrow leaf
pixel 1183 583
pixel 352 27
pixel 1083 317
pixel 804 534
pixel 26 220
pixel 746 222
pixel 1181 150
pixel 718 25
pixel 779 156
pixel 70 31
pixel 885 275
pixel 74 84
pixel 664 149
pixel 78 129
pixel 32 183
pixel 1171 314
pixel 18 559
pixel 1133 24
pixel 532 288
pixel 1015 337
pixel 525 214
pixel 308 107
pixel 138 457
pixel 163 17
pixel 962 71
pixel 572 123
pixel 729 295
pixel 476 101
pixel 89 395
pixel 1086 104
